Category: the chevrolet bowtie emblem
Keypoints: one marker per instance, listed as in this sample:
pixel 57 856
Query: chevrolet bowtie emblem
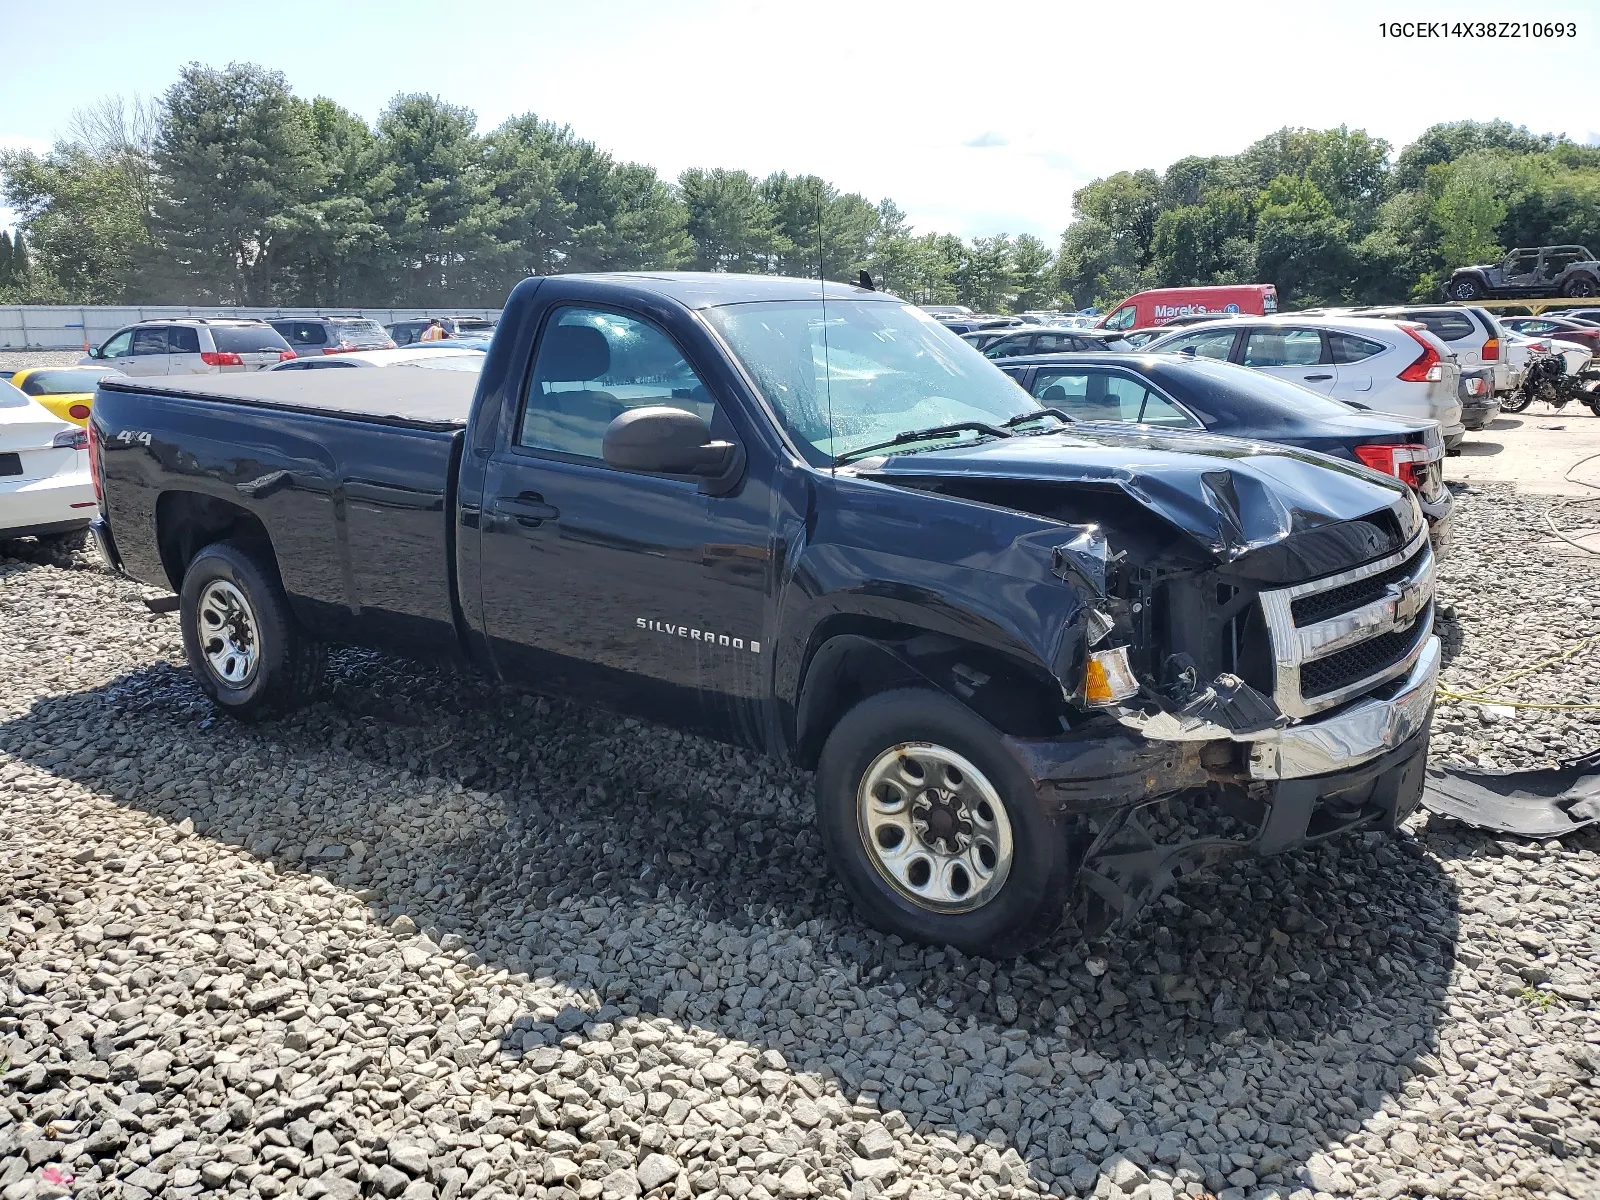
pixel 1409 599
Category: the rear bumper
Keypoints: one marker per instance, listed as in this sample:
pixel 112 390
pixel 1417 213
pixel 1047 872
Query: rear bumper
pixel 1441 516
pixel 100 531
pixel 54 504
pixel 1480 411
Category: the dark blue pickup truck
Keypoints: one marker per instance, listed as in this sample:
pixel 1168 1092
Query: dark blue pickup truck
pixel 1029 659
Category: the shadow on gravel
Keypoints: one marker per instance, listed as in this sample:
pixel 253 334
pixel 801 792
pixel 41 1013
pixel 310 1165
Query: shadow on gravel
pixel 1294 995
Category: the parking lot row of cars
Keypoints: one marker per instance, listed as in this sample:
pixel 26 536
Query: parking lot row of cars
pixel 1398 386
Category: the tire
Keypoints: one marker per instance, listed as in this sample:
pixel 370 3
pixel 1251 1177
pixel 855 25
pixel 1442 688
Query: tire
pixel 1515 403
pixel 1581 285
pixel 247 652
pixel 1031 863
pixel 1464 288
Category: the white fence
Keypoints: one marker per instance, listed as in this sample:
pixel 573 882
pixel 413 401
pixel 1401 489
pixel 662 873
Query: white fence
pixel 71 327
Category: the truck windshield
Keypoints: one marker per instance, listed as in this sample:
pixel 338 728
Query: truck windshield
pixel 863 372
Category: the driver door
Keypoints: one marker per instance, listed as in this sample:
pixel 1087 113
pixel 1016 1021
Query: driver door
pixel 640 593
pixel 1520 271
pixel 117 352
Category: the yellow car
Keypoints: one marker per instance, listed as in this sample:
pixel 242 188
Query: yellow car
pixel 66 391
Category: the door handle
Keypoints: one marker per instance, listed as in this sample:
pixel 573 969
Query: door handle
pixel 1317 378
pixel 528 508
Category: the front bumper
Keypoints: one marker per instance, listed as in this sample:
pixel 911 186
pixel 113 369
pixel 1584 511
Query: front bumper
pixel 1356 734
pixel 1360 768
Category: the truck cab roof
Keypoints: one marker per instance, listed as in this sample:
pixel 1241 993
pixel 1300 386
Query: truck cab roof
pixel 707 289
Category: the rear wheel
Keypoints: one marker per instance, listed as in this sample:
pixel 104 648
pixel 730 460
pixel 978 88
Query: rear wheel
pixel 1581 285
pixel 936 832
pixel 246 650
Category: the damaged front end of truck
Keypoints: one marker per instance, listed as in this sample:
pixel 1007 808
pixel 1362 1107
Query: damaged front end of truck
pixel 1248 664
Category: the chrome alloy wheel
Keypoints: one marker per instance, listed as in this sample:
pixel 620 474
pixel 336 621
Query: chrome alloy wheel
pixel 227 629
pixel 934 827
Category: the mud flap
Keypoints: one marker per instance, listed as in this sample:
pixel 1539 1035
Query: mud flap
pixel 1546 802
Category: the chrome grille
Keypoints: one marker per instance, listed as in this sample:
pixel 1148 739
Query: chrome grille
pixel 1336 638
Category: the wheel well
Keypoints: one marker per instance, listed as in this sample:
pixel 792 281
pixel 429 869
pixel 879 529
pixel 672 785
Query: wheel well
pixel 188 522
pixel 848 665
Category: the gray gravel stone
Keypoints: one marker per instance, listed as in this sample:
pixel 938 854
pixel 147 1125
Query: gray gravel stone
pixel 563 950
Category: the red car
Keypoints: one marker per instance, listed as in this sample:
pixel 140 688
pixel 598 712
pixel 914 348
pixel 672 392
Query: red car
pixel 1562 329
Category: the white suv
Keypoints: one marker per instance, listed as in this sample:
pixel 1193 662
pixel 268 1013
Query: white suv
pixel 1394 367
pixel 192 346
pixel 1473 334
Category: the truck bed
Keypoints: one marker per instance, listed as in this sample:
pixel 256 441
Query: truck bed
pixel 411 397
pixel 349 472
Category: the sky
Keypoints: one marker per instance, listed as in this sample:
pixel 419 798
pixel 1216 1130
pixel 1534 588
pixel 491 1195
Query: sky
pixel 975 120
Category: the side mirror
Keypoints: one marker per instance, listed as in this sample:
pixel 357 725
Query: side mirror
pixel 659 440
pixel 94 352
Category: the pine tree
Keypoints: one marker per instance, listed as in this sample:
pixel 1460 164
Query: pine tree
pixel 20 266
pixel 5 259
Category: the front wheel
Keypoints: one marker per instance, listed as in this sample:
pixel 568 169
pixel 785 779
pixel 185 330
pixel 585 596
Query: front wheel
pixel 247 652
pixel 1465 289
pixel 1515 402
pixel 934 829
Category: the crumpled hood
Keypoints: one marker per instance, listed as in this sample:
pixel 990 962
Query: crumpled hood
pixel 1231 496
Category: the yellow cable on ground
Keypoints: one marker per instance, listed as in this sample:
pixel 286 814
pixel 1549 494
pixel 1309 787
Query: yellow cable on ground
pixel 1476 695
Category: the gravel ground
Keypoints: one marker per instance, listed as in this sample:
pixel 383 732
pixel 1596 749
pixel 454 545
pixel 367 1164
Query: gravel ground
pixel 19 360
pixel 431 940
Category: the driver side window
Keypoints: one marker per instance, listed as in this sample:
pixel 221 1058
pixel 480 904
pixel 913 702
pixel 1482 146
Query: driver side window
pixel 117 347
pixel 590 367
pixel 1215 343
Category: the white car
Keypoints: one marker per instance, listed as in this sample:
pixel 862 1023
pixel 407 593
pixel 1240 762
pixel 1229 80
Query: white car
pixel 1386 366
pixel 191 346
pixel 45 489
pixel 438 356
pixel 1474 335
pixel 1520 347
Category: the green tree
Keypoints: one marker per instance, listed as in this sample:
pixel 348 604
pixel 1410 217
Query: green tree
pixel 238 156
pixel 340 253
pixel 86 204
pixel 1302 245
pixel 6 278
pixel 1470 207
pixel 732 225
pixel 441 213
pixel 1033 273
pixel 985 275
pixel 1205 243
pixel 1444 143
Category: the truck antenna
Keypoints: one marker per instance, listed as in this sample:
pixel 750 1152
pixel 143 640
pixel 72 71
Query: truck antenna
pixel 827 365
